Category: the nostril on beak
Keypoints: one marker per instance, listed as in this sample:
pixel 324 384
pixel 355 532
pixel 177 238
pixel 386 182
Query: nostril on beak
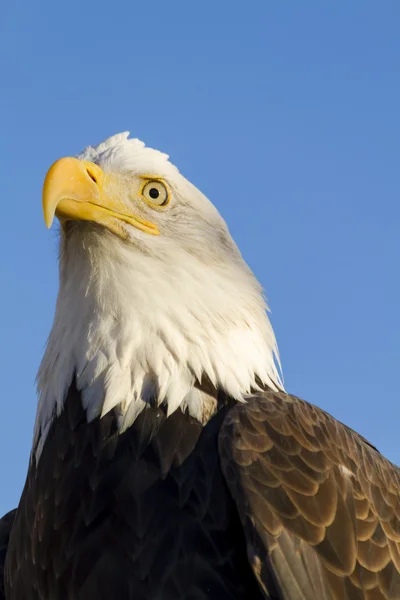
pixel 91 175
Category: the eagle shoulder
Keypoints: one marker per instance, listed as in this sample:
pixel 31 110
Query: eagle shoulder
pixel 320 506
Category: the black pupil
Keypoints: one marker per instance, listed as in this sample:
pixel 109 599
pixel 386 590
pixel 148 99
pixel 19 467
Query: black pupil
pixel 154 193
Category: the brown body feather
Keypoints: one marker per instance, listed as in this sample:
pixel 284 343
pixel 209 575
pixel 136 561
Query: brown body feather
pixel 135 516
pixel 5 529
pixel 293 500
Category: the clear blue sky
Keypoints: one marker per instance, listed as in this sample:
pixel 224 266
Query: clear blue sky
pixel 286 114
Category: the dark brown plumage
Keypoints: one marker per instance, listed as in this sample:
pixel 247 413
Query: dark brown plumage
pixel 146 514
pixel 5 529
pixel 160 513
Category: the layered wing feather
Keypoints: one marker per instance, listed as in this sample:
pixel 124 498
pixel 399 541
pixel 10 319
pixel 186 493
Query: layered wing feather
pixel 319 505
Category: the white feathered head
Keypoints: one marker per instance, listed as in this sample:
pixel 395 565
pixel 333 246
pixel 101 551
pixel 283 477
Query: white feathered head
pixel 154 293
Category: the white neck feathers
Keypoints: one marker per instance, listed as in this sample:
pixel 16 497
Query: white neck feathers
pixel 131 327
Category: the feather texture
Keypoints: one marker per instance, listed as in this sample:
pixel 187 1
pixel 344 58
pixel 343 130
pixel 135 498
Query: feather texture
pixel 132 516
pixel 6 524
pixel 323 504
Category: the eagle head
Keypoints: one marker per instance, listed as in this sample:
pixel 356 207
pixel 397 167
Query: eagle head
pixel 154 294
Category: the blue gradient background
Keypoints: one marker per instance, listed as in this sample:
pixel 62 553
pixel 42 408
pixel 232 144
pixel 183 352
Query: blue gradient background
pixel 286 114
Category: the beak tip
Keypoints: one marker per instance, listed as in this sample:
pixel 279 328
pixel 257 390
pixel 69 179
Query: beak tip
pixel 48 219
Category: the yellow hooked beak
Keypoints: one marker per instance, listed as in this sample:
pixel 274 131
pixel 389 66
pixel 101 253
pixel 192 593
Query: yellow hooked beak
pixel 73 190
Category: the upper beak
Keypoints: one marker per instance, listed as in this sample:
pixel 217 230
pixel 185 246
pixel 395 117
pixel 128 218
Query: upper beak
pixel 73 190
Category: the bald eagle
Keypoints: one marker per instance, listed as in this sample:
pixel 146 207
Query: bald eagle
pixel 168 462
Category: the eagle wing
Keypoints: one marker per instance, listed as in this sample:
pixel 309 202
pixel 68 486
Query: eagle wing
pixel 6 524
pixel 319 505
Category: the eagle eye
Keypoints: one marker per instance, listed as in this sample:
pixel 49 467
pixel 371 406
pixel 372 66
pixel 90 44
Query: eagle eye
pixel 156 193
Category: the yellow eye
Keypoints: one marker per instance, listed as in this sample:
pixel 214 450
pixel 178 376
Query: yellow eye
pixel 156 193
